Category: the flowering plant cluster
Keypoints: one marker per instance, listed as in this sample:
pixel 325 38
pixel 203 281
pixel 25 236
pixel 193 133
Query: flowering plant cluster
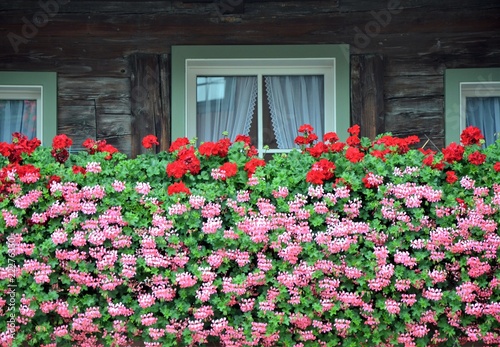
pixel 355 243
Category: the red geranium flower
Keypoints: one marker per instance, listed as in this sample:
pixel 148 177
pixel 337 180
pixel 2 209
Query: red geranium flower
pixel 337 147
pixel 208 149
pixel 252 164
pixel 149 140
pixel 61 142
pixel 243 138
pixel 252 151
pixel 353 141
pixel 186 161
pixel 366 181
pixel 79 170
pixel 380 153
pixel 438 165
pixel 451 177
pixel 59 151
pixel 180 142
pixel 471 136
pixel 496 167
pixel 91 145
pixel 321 171
pixel 306 128
pixel 28 173
pixel 223 147
pixel 402 144
pixel 4 149
pixel 453 153
pixel 178 188
pixel 315 177
pixel 230 169
pixel 428 160
pixel 354 130
pixel 301 140
pixel 330 137
pixel 317 149
pixel 188 156
pixel 20 144
pixel 477 158
pixel 354 155
pixel 60 155
pixel 102 146
pixel 306 139
pixel 176 169
pixel 426 151
pixel 429 156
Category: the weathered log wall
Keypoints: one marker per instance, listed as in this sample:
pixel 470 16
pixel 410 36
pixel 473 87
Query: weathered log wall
pixel 95 47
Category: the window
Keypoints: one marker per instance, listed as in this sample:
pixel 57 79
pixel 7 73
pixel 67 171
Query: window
pixel 28 104
pixel 265 92
pixel 472 97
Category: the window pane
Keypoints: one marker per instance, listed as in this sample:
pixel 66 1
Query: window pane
pixel 229 103
pixel 17 116
pixel 224 103
pixel 293 101
pixel 484 113
pixel 210 88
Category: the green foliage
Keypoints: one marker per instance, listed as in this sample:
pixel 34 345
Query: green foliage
pixel 380 246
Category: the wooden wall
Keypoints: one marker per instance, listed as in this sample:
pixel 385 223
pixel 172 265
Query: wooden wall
pixel 112 57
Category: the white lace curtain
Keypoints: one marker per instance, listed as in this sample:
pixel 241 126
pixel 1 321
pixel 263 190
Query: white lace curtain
pixel 230 109
pixel 293 101
pixel 17 116
pixel 228 104
pixel 484 113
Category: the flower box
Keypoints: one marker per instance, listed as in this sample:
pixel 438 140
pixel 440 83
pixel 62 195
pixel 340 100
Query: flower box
pixel 356 243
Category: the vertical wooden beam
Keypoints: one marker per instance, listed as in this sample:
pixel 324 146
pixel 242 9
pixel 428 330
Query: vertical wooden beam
pixel 367 94
pixel 148 99
pixel 163 125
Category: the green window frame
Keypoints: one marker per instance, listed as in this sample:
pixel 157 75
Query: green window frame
pixel 456 83
pixel 46 84
pixel 182 56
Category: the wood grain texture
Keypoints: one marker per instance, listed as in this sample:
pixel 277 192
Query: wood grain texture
pixel 148 103
pixel 367 94
pixel 90 44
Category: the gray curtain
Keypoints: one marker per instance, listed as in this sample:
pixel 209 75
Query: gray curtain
pixel 225 104
pixel 294 101
pixel 484 113
pixel 17 116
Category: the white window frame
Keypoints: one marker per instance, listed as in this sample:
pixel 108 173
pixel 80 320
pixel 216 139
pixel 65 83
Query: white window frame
pixel 42 86
pixel 459 84
pixel 475 90
pixel 260 68
pixel 277 57
pixel 26 93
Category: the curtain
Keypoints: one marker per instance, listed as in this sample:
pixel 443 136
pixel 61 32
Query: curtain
pixel 17 116
pixel 293 101
pixel 484 113
pixel 229 109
